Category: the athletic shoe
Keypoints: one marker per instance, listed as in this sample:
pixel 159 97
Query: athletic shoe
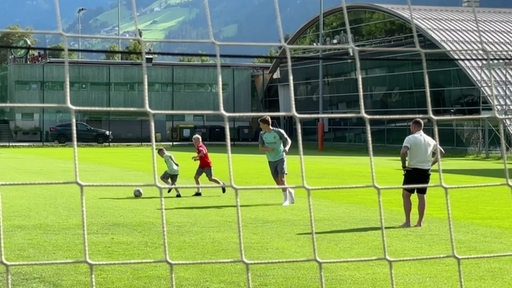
pixel 169 191
pixel 178 195
pixel 223 187
pixel 286 203
pixel 197 194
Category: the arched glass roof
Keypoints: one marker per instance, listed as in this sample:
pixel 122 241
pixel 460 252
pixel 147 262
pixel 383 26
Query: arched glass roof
pixel 478 39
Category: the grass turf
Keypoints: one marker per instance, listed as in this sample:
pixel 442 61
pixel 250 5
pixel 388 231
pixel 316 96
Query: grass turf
pixel 76 219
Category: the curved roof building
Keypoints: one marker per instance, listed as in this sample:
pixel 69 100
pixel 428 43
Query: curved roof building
pixel 400 61
pixel 481 38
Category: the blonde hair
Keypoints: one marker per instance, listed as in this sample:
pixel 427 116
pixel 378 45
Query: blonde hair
pixel 197 136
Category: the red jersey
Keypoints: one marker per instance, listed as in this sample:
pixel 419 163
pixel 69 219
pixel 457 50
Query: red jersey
pixel 204 160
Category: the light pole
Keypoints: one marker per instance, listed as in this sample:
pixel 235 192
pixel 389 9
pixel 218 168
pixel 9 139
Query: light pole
pixel 119 24
pixel 79 13
pixel 321 121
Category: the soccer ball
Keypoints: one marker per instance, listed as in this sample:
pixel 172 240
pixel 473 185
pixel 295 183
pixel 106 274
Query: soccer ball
pixel 137 192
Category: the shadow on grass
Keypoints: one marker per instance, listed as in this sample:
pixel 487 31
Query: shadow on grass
pixel 351 230
pixel 194 207
pixel 494 173
pixel 224 206
pixel 166 196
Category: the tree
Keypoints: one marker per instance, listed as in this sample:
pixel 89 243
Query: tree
pixel 114 52
pixel 134 51
pixel 10 38
pixel 57 51
pixel 202 58
pixel 271 56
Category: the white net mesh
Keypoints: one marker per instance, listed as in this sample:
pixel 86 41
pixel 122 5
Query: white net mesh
pixel 353 57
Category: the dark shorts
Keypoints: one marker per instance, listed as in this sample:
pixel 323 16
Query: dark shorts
pixel 207 171
pixel 172 177
pixel 416 176
pixel 277 167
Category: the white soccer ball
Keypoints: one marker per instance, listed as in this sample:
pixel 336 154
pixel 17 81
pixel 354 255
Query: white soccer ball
pixel 137 192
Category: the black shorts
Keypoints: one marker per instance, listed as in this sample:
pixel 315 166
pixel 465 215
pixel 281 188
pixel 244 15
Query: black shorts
pixel 173 177
pixel 416 176
pixel 277 167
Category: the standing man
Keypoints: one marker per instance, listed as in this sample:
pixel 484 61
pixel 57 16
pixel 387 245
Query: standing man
pixel 422 152
pixel 275 143
pixel 172 171
pixel 205 165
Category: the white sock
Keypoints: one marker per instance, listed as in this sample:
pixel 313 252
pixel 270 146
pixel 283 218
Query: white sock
pixel 285 196
pixel 291 195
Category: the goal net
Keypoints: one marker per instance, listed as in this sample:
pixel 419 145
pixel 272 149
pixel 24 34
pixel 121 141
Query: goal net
pixel 340 78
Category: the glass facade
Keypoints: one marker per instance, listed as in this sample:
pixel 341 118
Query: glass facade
pixel 364 74
pixel 396 81
pixel 112 96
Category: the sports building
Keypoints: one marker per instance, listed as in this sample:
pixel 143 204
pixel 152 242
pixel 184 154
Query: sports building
pixel 182 98
pixel 396 62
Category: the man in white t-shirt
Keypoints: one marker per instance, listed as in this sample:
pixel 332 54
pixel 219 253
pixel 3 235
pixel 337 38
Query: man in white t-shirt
pixel 421 152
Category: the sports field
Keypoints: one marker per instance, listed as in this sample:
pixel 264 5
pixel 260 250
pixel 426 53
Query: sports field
pixel 80 226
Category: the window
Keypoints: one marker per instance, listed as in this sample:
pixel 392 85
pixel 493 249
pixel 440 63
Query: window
pixel 198 118
pixel 25 85
pixel 27 116
pixel 54 86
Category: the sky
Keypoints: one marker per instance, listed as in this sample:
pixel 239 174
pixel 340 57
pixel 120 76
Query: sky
pixel 483 3
pixel 41 14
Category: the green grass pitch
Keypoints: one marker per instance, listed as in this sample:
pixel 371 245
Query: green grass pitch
pixel 245 238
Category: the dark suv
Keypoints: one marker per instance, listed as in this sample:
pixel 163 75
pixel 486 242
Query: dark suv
pixel 84 133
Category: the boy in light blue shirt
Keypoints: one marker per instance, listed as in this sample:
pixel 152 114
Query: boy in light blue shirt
pixel 275 143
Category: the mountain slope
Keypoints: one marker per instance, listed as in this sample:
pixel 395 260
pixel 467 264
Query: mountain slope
pixel 42 14
pixel 231 20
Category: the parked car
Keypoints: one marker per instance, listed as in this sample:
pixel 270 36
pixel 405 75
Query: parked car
pixel 84 133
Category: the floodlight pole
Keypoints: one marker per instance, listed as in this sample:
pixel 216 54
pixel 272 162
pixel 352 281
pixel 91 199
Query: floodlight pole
pixel 79 13
pixel 119 24
pixel 320 52
pixel 320 127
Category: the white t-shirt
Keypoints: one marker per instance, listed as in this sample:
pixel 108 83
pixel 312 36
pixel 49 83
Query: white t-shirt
pixel 172 168
pixel 421 146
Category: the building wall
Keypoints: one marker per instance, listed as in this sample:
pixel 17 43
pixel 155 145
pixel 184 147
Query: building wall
pixel 177 95
pixel 391 83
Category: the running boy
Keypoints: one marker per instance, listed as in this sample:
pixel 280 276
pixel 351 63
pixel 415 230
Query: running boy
pixel 205 165
pixel 275 143
pixel 172 171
